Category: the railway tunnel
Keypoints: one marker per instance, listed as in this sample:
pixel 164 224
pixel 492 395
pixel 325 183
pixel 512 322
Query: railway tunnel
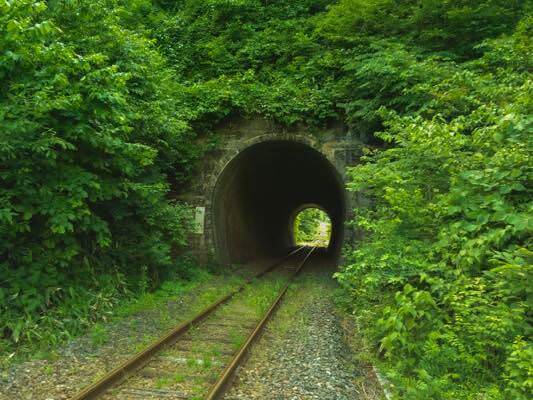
pixel 259 193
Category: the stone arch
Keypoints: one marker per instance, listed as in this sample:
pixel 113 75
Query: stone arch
pixel 230 211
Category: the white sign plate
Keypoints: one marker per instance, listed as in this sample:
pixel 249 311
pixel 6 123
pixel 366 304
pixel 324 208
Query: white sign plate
pixel 199 218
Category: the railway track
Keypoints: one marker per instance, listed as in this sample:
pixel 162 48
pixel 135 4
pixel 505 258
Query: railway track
pixel 198 359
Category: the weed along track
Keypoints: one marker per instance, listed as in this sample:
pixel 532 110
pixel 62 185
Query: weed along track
pixel 197 359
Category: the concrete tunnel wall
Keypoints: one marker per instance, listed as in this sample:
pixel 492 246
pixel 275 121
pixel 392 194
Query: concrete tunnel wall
pixel 259 191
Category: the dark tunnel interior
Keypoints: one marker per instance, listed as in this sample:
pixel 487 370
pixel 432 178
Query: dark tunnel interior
pixel 261 190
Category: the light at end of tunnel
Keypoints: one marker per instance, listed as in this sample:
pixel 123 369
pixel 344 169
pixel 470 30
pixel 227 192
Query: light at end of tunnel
pixel 312 227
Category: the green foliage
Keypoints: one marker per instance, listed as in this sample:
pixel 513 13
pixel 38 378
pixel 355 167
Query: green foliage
pixel 442 277
pixel 89 142
pixel 100 103
pixel 316 61
pixel 451 27
pixel 245 58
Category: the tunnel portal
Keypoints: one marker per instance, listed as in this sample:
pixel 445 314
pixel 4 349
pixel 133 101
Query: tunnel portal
pixel 260 191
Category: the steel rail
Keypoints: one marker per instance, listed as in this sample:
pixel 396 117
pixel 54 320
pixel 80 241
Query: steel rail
pixel 223 382
pixel 138 361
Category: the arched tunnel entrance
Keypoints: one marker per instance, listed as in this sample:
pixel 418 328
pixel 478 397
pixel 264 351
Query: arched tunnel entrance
pixel 260 191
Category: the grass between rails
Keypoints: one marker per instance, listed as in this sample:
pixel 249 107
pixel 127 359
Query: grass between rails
pixel 208 358
pixel 161 306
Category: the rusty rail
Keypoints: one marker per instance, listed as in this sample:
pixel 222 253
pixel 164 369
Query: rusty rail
pixel 138 361
pixel 224 380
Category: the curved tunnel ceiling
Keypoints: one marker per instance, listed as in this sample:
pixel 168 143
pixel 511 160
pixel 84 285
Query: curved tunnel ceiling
pixel 259 193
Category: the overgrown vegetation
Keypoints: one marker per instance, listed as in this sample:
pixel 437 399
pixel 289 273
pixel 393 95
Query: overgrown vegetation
pixel 442 281
pixel 101 102
pixel 89 144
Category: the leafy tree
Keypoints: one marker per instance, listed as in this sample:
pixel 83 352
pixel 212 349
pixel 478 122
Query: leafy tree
pixel 445 266
pixel 89 134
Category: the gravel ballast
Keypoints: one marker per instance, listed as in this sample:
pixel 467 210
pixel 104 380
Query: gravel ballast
pixel 302 355
pixel 76 364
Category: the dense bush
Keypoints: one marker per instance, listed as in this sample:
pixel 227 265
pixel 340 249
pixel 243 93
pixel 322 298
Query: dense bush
pixel 442 280
pixel 89 139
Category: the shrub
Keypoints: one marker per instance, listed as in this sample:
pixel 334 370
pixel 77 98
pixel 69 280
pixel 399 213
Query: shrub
pixel 89 137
